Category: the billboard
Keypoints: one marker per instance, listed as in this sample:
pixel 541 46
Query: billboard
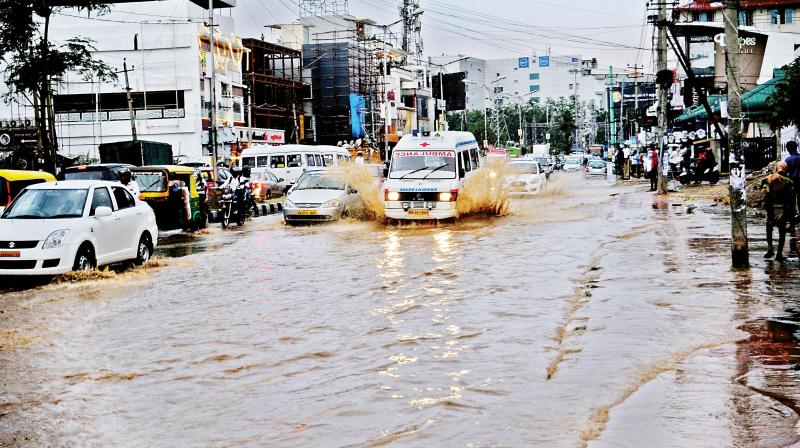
pixel 544 61
pixel 524 62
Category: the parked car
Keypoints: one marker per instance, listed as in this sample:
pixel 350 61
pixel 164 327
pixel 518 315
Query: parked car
pixel 266 185
pixel 318 197
pixel 528 178
pixel 596 167
pixel 53 228
pixel 100 171
pixel 12 182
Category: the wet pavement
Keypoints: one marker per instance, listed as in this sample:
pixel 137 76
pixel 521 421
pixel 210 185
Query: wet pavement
pixel 591 316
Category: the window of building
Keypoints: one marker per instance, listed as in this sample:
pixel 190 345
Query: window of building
pixel 703 16
pixel 535 88
pixel 498 90
pixel 571 86
pixel 781 16
pixel 536 99
pixel 746 18
pixel 534 76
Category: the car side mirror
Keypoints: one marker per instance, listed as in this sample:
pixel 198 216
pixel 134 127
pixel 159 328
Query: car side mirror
pixel 102 212
pixel 353 191
pixel 280 179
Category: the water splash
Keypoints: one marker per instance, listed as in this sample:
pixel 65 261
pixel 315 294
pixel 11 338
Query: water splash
pixel 362 178
pixel 486 193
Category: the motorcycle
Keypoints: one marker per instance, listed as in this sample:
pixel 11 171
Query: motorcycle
pixel 697 174
pixel 234 205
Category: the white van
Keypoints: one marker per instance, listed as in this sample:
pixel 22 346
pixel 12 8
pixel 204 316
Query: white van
pixel 290 161
pixel 427 173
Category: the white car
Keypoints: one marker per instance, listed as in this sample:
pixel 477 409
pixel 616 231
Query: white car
pixel 573 164
pixel 596 167
pixel 527 178
pixel 53 228
pixel 318 197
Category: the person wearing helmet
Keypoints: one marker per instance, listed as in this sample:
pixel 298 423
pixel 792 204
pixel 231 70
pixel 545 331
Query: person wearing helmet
pixel 126 179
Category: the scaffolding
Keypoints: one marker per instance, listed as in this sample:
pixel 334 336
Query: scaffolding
pixel 347 87
pixel 274 78
pixel 319 8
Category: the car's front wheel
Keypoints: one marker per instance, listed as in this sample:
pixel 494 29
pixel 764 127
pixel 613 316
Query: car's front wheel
pixel 84 260
pixel 143 250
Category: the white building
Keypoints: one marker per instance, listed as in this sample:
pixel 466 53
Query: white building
pixel 529 77
pixel 165 45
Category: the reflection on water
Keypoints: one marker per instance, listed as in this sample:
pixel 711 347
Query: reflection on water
pixel 584 317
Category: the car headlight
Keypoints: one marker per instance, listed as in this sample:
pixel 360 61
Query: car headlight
pixel 56 239
pixel 393 196
pixel 289 204
pixel 445 197
pixel 331 203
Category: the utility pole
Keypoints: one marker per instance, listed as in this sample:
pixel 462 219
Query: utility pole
pixel 612 124
pixel 130 99
pixel 636 75
pixel 212 113
pixel 739 248
pixel 662 94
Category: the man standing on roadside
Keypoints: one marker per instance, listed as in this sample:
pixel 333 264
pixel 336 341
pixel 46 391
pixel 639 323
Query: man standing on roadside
pixel 653 173
pixel 793 171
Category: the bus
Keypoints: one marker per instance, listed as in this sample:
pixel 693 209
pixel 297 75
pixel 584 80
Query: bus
pixel 290 161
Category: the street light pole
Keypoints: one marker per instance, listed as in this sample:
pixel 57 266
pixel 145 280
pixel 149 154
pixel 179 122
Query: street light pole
pixel 212 116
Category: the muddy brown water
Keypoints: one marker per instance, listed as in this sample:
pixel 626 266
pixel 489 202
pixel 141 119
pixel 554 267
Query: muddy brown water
pixel 580 319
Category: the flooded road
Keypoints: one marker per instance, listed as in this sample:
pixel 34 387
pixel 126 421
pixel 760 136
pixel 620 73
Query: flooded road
pixel 590 317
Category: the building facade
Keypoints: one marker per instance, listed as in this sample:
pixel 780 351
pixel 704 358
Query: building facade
pixel 537 78
pixel 166 49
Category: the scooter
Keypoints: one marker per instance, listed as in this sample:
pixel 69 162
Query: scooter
pixel 697 174
pixel 234 205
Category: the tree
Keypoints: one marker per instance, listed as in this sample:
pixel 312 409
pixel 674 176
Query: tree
pixel 32 63
pixel 783 102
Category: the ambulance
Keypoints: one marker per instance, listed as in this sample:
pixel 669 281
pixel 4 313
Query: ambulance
pixel 427 173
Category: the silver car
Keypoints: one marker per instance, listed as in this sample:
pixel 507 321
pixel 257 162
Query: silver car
pixel 596 168
pixel 318 197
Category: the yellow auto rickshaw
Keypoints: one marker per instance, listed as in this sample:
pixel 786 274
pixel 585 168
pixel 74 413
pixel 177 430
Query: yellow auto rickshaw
pixel 171 191
pixel 14 181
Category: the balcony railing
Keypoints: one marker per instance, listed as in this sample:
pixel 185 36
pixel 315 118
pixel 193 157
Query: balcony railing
pixel 119 115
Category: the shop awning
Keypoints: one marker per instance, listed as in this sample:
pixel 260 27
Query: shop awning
pixel 755 103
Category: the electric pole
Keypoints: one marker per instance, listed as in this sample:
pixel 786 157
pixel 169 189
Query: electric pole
pixel 612 124
pixel 663 101
pixel 739 246
pixel 636 75
pixel 212 115
pixel 130 98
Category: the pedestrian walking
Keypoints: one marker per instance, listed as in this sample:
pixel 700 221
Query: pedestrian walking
pixel 653 173
pixel 793 171
pixel 635 165
pixel 626 160
pixel 674 161
pixel 780 205
pixel 619 162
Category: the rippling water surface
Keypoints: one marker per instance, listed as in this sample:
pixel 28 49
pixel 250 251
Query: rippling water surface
pixel 589 317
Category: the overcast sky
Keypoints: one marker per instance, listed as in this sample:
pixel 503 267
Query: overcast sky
pixel 609 30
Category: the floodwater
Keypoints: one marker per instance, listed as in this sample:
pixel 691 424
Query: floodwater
pixel 591 316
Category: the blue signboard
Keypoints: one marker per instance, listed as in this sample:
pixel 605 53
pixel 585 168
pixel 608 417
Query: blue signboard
pixel 524 62
pixel 544 61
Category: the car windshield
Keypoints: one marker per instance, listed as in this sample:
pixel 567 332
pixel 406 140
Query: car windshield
pixel 154 181
pixel 87 175
pixel 423 165
pixel 573 161
pixel 526 168
pixel 47 204
pixel 543 162
pixel 318 182
pixel 597 164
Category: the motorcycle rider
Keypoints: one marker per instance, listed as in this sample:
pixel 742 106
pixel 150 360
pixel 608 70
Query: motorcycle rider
pixel 126 179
